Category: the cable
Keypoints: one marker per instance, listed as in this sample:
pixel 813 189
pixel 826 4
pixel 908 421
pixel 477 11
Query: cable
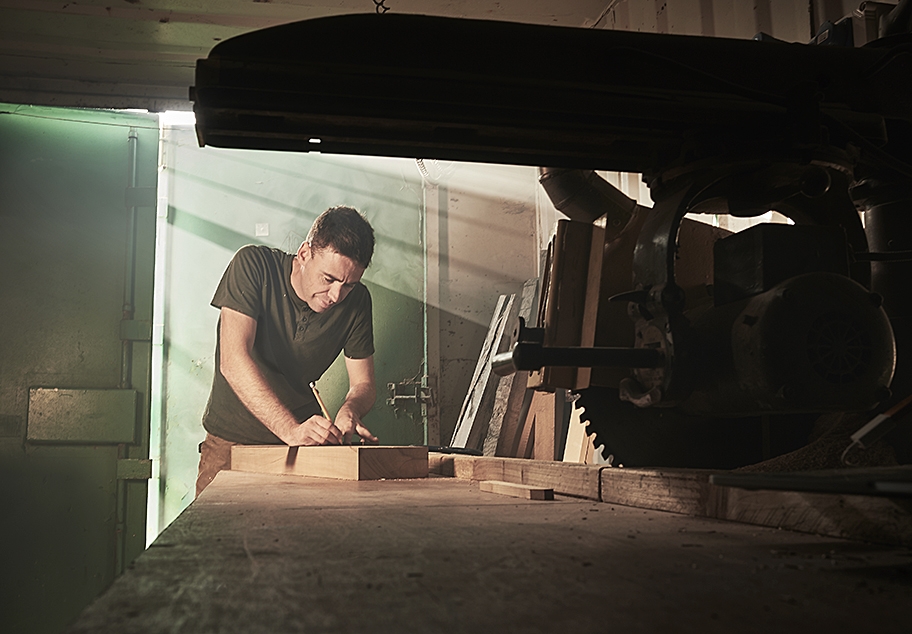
pixel 876 428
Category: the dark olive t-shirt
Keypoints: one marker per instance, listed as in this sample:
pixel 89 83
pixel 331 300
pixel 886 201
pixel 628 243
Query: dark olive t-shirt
pixel 293 346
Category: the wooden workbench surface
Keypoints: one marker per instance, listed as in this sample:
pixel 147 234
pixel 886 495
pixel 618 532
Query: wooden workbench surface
pixel 268 553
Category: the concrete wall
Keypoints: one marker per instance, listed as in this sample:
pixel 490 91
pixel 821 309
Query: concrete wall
pixel 487 247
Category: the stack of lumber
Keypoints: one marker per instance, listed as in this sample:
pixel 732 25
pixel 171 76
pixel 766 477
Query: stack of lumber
pixel 493 414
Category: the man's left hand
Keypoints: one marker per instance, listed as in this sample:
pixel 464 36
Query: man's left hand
pixel 350 424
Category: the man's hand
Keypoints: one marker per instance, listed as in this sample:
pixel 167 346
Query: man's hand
pixel 316 430
pixel 359 399
pixel 349 423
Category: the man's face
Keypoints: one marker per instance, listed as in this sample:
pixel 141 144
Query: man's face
pixel 323 278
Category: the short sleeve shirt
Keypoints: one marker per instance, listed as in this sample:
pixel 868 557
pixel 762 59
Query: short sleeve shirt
pixel 293 346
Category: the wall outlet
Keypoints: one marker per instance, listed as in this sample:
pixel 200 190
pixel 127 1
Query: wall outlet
pixel 261 229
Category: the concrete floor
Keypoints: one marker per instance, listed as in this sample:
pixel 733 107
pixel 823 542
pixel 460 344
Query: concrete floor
pixel 263 553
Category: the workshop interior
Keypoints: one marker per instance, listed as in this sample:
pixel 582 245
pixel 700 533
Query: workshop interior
pixel 691 225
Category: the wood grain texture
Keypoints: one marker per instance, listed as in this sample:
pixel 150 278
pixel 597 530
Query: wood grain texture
pixel 884 520
pixel 345 462
pixel 472 425
pixel 688 491
pixel 570 301
pixel 512 398
pixel 525 491
pixel 564 478
pixel 543 416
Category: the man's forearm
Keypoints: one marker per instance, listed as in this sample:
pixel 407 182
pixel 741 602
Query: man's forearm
pixel 360 399
pixel 254 392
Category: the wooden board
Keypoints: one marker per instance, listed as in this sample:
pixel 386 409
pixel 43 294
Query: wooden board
pixel 471 426
pixel 512 397
pixel 343 462
pixel 880 519
pixel 872 518
pixel 524 491
pixel 570 299
pixel 564 478
pixel 888 481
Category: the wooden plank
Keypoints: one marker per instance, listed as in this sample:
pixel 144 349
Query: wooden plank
pixel 684 491
pixel 872 518
pixel 471 426
pixel 478 468
pixel 524 491
pixel 565 478
pixel 861 481
pixel 885 520
pixel 343 462
pixel 527 437
pixel 441 464
pixel 570 301
pixel 512 394
pixel 541 414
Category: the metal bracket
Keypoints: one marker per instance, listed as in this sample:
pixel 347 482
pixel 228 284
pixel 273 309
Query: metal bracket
pixel 410 392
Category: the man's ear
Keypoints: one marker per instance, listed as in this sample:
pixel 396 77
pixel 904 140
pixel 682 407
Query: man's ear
pixel 304 251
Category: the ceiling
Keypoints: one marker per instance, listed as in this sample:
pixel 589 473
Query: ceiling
pixel 142 53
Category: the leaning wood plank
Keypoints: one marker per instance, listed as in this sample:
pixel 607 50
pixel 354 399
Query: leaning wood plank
pixel 524 491
pixel 571 300
pixel 347 462
pixel 504 428
pixel 471 426
pixel 542 413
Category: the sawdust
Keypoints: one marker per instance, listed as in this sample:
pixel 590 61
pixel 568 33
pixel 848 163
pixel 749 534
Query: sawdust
pixel 828 442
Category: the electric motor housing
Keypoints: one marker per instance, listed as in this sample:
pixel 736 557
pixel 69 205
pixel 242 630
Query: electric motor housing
pixel 817 342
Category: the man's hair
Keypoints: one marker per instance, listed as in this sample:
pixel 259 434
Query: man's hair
pixel 345 231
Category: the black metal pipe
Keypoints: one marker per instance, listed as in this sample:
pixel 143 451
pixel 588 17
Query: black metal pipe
pixel 584 196
pixel 530 356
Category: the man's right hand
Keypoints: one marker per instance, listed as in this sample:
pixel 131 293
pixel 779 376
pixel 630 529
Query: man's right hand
pixel 316 430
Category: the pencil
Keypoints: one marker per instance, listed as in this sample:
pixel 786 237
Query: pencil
pixel 313 386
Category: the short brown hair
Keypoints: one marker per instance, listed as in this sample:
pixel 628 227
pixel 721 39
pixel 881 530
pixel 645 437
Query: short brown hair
pixel 346 231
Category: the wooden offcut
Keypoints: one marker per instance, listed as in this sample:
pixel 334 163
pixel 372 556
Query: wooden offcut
pixel 524 491
pixel 342 462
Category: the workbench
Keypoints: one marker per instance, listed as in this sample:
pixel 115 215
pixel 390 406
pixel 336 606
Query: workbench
pixel 280 553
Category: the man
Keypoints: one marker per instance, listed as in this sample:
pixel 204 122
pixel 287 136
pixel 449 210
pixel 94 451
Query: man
pixel 283 321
